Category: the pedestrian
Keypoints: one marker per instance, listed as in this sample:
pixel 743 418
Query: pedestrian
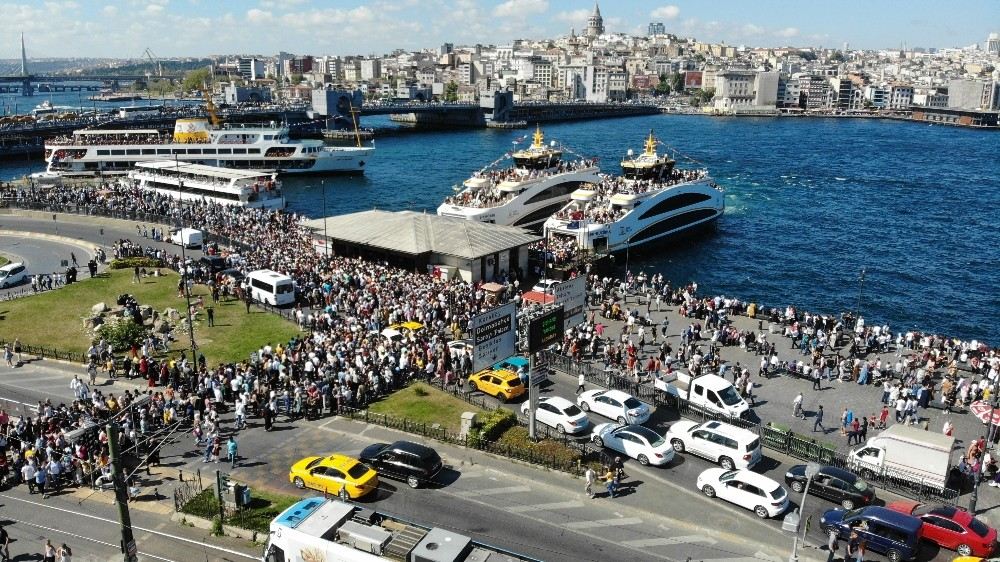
pixel 818 421
pixel 832 545
pixel 580 381
pixel 40 477
pixel 48 551
pixel 591 477
pixel 749 392
pixel 211 315
pixel 8 355
pixel 610 482
pixel 17 350
pixel 4 544
pixel 135 275
pixel 72 255
pixel 949 428
pixel 844 421
pixel 248 300
pixel 231 449
pixel 817 379
pixel 216 448
pixel 28 475
pixel 208 451
pixel 65 553
pixel 797 406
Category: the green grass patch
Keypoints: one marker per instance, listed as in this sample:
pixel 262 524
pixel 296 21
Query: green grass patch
pixel 422 403
pixel 554 451
pixel 55 319
pixel 3 261
pixel 263 508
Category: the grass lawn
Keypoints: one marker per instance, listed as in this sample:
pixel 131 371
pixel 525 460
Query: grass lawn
pixel 423 403
pixel 264 507
pixel 55 319
pixel 3 261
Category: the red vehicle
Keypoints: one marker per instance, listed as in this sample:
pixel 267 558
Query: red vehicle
pixel 950 527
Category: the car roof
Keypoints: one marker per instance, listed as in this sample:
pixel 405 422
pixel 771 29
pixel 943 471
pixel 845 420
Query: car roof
pixel 616 394
pixel 516 360
pixel 11 265
pixel 504 374
pixel 643 431
pixel 836 472
pixel 339 461
pixel 894 518
pixel 728 430
pixel 759 480
pixel 412 448
pixel 557 401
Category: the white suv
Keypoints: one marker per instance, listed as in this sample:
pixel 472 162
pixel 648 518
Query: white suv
pixel 730 446
pixel 12 274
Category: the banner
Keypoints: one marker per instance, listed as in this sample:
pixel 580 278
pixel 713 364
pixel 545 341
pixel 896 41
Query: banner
pixel 494 336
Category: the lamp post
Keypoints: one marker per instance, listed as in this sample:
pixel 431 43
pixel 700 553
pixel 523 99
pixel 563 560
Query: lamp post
pixel 811 469
pixel 861 290
pixel 326 240
pixel 184 274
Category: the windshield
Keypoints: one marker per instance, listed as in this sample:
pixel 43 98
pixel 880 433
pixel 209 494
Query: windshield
pixel 357 471
pixel 860 485
pixel 632 403
pixel 572 410
pixel 979 528
pixel 729 396
pixel 778 493
pixel 654 438
pixel 726 476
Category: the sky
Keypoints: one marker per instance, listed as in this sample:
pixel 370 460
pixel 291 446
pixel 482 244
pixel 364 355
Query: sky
pixel 126 28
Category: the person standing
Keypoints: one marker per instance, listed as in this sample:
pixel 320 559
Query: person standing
pixel 818 422
pixel 580 382
pixel 591 477
pixel 28 475
pixel 48 551
pixel 232 448
pixel 4 544
pixel 65 553
pixel 41 475
pixel 211 315
pixel 797 406
pixel 818 379
pixel 610 482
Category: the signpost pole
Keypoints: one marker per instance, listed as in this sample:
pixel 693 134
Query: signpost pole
pixel 532 397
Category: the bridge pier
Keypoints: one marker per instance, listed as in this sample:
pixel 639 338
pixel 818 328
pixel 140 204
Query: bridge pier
pixel 26 88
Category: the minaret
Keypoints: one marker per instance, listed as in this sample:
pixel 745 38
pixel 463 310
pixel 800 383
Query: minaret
pixel 595 24
pixel 24 58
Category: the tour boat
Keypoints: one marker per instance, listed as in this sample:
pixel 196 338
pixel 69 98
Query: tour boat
pixel 260 148
pixel 651 201
pixel 197 182
pixel 538 184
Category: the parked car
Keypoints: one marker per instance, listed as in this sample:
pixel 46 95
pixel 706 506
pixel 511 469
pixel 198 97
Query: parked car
pixel 559 413
pixel 213 264
pixel 335 474
pixel 835 484
pixel 505 385
pixel 12 274
pixel 413 463
pixel 545 285
pixel 951 527
pixel 885 531
pixel 639 442
pixel 747 489
pixel 614 404
pixel 728 445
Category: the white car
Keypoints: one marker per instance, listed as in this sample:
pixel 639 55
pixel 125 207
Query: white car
pixel 458 347
pixel 636 441
pixel 728 445
pixel 12 274
pixel 545 285
pixel 747 489
pixel 557 412
pixel 614 404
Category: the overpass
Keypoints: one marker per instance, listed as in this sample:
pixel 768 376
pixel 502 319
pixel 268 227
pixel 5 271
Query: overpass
pixel 27 85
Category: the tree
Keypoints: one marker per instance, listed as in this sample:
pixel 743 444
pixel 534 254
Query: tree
pixel 677 82
pixel 837 56
pixel 296 78
pixel 451 91
pixel 197 79
pixel 160 87
pixel 663 86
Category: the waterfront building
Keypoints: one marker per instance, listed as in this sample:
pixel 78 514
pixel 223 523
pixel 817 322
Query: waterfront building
pixel 371 69
pixel 740 92
pixel 900 96
pixel 993 44
pixel 974 94
pixel 656 28
pixel 789 92
pixel 929 97
pixel 244 94
pixel 877 95
pixel 814 89
pixel 251 68
pixel 841 93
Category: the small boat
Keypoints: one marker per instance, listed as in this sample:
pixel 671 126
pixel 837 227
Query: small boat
pixel 197 182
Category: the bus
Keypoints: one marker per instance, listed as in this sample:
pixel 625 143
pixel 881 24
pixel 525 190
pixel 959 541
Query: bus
pixel 131 111
pixel 271 287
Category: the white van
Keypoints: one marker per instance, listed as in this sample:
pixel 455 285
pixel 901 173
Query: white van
pixel 711 393
pixel 187 237
pixel 271 287
pixel 730 446
pixel 12 274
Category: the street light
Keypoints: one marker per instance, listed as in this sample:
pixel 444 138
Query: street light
pixel 861 289
pixel 326 240
pixel 811 470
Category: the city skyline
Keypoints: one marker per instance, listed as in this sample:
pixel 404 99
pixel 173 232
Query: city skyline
pixel 124 29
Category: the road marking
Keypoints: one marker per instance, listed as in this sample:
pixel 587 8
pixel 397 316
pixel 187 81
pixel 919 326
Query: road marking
pixel 544 506
pixel 669 541
pixel 620 522
pixel 757 557
pixel 83 538
pixel 493 491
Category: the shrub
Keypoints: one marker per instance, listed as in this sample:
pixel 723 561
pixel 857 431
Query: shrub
pixel 217 526
pixel 121 333
pixel 492 424
pixel 546 449
pixel 129 263
pixel 420 391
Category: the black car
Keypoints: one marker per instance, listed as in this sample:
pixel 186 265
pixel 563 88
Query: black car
pixel 214 264
pixel 413 463
pixel 835 484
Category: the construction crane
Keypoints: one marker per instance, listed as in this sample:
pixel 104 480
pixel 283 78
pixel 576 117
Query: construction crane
pixel 210 107
pixel 155 60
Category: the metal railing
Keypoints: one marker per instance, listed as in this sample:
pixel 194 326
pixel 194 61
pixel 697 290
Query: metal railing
pixel 48 352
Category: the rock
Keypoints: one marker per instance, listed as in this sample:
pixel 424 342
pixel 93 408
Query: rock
pixel 172 314
pixel 146 311
pixel 93 322
pixel 161 326
pixel 99 308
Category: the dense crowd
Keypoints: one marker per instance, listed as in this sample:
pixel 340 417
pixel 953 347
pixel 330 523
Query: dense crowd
pixel 600 210
pixel 490 195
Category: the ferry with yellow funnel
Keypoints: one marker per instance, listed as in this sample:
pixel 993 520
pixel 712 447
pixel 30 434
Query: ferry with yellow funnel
pixel 652 201
pixel 526 193
pixel 263 148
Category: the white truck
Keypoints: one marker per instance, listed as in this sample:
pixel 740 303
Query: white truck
pixel 187 237
pixel 906 453
pixel 710 393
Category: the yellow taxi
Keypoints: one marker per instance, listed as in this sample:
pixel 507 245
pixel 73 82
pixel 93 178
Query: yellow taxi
pixel 408 326
pixel 502 383
pixel 335 474
pixel 973 559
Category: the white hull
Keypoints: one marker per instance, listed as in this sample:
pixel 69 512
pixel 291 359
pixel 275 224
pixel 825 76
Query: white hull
pixel 276 203
pixel 660 215
pixel 520 210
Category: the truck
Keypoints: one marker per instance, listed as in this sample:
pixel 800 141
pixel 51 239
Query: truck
pixel 906 453
pixel 710 393
pixel 187 237
pixel 324 530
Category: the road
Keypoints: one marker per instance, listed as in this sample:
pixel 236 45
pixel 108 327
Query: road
pixel 42 256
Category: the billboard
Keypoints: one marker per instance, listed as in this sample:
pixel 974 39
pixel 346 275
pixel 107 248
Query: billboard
pixel 572 295
pixel 494 336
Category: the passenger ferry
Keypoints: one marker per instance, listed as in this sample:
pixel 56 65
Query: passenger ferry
pixel 652 201
pixel 263 148
pixel 197 182
pixel 525 194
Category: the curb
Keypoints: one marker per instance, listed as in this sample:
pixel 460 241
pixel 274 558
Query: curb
pixel 206 524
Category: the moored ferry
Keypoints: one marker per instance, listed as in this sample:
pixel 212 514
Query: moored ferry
pixel 537 185
pixel 197 182
pixel 263 148
pixel 652 201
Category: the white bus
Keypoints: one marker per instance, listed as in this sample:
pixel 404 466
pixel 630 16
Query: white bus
pixel 271 287
pixel 131 111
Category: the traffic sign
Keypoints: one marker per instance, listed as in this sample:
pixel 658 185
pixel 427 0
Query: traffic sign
pixel 494 335
pixel 545 330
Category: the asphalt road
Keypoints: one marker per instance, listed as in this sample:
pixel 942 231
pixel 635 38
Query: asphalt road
pixel 42 256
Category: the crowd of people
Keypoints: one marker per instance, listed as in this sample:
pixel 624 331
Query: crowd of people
pixel 490 194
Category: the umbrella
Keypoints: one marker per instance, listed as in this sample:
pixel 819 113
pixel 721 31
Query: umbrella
pixel 984 410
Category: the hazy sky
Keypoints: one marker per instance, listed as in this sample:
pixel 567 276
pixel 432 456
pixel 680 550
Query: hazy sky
pixel 125 28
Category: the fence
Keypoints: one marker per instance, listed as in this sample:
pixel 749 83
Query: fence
pixel 187 490
pixel 49 352
pixel 787 442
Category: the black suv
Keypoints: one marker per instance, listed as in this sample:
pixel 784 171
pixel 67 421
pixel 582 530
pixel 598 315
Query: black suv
pixel 835 484
pixel 403 460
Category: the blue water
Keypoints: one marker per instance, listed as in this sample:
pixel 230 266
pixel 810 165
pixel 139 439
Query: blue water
pixel 16 104
pixel 810 203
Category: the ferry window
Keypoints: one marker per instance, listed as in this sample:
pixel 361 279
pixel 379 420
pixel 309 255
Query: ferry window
pixel 254 150
pixel 268 137
pixel 132 151
pixel 149 151
pixel 674 203
pixel 225 151
pixel 104 153
pixel 239 151
pixel 208 151
pixel 194 151
pixel 118 153
pixel 163 151
pixel 180 151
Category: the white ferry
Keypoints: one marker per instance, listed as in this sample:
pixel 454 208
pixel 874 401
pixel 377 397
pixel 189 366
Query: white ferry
pixel 261 148
pixel 197 182
pixel 525 194
pixel 652 201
